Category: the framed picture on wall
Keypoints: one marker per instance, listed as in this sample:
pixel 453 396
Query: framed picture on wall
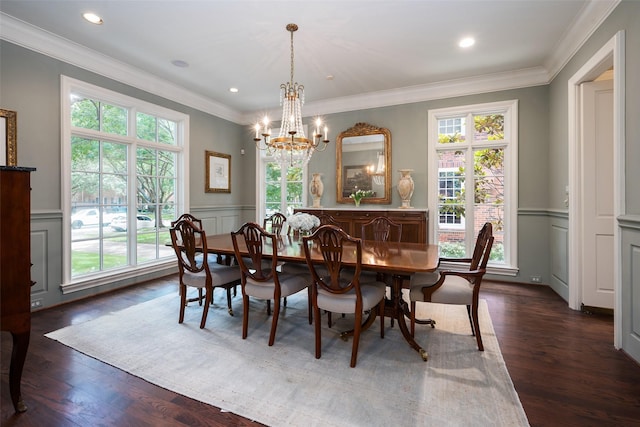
pixel 218 172
pixel 8 132
pixel 355 178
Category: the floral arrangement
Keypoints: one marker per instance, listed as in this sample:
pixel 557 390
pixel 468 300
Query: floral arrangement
pixel 303 221
pixel 359 195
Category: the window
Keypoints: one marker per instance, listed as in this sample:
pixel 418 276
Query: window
pixel 123 183
pixel 280 189
pixel 450 189
pixel 473 178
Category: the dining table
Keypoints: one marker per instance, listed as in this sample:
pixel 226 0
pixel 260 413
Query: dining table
pixel 398 260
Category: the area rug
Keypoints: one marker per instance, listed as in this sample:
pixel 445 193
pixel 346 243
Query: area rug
pixel 285 385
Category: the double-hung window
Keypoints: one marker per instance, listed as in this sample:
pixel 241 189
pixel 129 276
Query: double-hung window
pixel 473 179
pixel 123 183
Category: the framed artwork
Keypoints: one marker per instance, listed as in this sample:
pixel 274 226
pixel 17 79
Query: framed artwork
pixel 355 178
pixel 218 172
pixel 8 132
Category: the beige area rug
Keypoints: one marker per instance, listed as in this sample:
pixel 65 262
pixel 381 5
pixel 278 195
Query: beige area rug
pixel 285 385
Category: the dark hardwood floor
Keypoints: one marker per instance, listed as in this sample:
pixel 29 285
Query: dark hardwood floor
pixel 562 363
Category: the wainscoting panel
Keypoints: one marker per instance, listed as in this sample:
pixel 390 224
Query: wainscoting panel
pixel 46 257
pixel 559 259
pixel 230 223
pixel 630 258
pixel 559 252
pixel 39 263
pixel 223 219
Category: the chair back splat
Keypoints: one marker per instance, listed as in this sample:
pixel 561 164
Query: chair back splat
pixel 277 221
pixel 382 229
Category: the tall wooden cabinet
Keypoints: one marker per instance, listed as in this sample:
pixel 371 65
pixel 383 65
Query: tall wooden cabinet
pixel 414 221
pixel 15 269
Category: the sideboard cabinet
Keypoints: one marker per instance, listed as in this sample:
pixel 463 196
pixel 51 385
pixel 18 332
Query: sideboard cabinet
pixel 15 269
pixel 414 221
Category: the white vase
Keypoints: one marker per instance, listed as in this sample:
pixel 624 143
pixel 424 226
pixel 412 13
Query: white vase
pixel 405 187
pixel 316 188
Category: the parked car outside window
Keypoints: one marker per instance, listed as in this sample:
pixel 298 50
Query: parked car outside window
pixel 119 223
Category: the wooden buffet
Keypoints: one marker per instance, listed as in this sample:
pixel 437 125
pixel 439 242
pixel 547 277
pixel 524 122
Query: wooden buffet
pixel 414 221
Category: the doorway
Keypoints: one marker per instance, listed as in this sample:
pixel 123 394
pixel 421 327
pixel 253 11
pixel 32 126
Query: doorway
pixel 610 55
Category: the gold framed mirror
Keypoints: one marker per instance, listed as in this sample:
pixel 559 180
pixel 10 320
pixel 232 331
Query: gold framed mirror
pixel 8 131
pixel 363 162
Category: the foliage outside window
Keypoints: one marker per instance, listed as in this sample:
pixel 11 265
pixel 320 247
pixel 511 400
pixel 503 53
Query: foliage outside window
pixel 123 187
pixel 279 189
pixel 284 188
pixel 475 149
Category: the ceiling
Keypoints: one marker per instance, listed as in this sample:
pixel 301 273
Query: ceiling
pixel 378 52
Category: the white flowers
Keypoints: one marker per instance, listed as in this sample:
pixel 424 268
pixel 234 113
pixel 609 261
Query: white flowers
pixel 303 221
pixel 360 194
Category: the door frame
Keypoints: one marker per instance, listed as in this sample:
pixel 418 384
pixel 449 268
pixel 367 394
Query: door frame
pixel 611 54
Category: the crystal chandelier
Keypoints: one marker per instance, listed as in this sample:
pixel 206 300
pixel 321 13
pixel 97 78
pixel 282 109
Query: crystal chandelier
pixel 377 173
pixel 291 147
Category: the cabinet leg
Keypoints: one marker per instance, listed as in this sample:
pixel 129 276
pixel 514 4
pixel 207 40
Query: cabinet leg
pixel 18 356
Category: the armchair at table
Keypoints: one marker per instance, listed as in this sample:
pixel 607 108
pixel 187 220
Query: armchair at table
pixel 190 245
pixel 456 287
pixel 260 278
pixel 340 291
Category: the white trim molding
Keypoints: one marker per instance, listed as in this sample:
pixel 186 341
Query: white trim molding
pixel 612 53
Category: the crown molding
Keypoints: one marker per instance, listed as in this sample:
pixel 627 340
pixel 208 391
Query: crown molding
pixel 49 44
pixel 41 41
pixel 444 89
pixel 592 16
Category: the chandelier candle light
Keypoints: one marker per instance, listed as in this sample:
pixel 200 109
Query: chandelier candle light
pixel 291 145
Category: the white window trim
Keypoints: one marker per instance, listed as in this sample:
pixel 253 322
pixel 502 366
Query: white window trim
pixel 510 111
pixel 261 161
pixel 69 85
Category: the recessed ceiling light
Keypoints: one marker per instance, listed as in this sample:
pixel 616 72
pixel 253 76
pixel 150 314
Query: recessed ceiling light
pixel 233 89
pixel 467 42
pixel 180 63
pixel 330 77
pixel 92 17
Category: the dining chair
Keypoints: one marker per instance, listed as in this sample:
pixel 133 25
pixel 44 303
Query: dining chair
pixel 195 270
pixel 260 278
pixel 220 259
pixel 455 286
pixel 338 291
pixel 381 230
pixel 276 222
pixel 326 219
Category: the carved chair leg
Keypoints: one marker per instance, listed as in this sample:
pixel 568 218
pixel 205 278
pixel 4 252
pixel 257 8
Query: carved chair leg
pixel 476 324
pixel 229 307
pixel 183 302
pixel 470 320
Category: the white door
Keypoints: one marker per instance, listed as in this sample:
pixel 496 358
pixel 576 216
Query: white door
pixel 598 224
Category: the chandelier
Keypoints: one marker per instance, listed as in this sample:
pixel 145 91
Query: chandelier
pixel 291 147
pixel 377 173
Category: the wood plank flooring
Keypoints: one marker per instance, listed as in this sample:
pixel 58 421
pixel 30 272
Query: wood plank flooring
pixel 562 363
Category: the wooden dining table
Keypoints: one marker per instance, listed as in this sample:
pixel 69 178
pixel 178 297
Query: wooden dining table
pixel 398 259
